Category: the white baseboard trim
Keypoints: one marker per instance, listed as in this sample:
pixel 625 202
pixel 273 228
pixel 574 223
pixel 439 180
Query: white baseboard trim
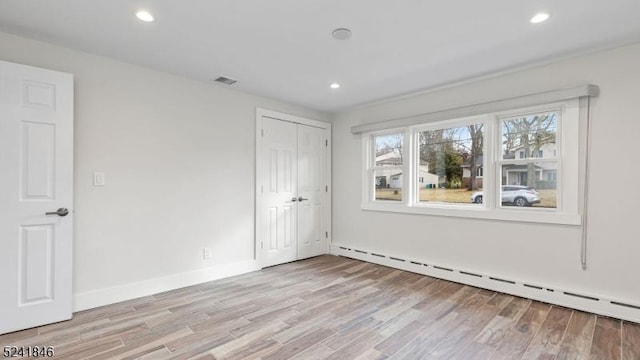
pixel 101 297
pixel 601 305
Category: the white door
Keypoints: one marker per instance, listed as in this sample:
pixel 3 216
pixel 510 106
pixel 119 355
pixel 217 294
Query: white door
pixel 311 191
pixel 279 191
pixel 292 191
pixel 36 172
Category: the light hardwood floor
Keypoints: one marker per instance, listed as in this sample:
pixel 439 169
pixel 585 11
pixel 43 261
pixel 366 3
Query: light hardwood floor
pixel 334 308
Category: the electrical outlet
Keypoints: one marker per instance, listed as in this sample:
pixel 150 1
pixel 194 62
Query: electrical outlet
pixel 207 254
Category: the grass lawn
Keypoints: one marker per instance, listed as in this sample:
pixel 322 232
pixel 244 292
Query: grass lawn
pixel 389 194
pixel 461 196
pixel 446 195
pixel 547 199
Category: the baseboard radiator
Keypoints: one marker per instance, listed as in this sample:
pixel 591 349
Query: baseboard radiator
pixel 563 297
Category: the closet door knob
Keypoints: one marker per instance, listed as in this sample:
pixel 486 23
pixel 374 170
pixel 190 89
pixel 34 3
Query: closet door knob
pixel 59 212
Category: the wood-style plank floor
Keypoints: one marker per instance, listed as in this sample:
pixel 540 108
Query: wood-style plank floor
pixel 334 308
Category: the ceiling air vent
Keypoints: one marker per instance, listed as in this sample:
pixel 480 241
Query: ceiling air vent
pixel 225 80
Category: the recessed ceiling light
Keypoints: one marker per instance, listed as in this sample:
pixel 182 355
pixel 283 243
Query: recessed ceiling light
pixel 334 85
pixel 341 34
pixel 145 16
pixel 539 17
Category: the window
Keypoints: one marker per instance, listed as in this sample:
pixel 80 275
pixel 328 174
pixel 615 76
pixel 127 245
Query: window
pixel 450 158
pixel 517 165
pixel 388 166
pixel 529 134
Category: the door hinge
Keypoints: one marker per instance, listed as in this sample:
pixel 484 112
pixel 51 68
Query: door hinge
pixel 261 245
pixel 326 188
pixel 326 234
pixel 326 143
pixel 262 132
pixel 261 188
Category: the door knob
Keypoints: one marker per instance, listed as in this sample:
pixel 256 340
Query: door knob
pixel 59 212
pixel 294 199
pixel 302 199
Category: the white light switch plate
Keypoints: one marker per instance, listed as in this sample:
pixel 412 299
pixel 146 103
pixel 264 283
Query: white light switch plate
pixel 98 178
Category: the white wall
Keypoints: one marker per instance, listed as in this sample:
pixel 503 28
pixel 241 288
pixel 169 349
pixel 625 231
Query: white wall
pixel 178 155
pixel 538 253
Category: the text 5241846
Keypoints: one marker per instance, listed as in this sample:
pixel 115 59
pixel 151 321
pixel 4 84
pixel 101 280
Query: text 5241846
pixel 28 351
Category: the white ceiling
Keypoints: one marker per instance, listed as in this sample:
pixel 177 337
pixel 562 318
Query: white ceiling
pixel 284 49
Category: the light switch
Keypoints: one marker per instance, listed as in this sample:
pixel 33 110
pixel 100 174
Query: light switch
pixel 98 178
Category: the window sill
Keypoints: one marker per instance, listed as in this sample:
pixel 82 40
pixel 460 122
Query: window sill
pixel 478 212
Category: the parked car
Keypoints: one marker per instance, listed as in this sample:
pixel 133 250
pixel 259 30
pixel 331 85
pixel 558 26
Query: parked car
pixel 517 195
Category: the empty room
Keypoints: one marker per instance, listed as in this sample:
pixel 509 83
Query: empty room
pixel 319 179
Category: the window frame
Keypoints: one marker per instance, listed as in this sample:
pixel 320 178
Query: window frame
pixel 558 108
pixel 567 172
pixel 370 167
pixel 441 125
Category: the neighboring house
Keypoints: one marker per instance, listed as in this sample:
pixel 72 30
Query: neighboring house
pixel 466 172
pixel 545 173
pixel 389 157
pixel 392 177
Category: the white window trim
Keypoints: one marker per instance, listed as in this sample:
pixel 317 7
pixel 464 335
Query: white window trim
pixel 567 211
pixel 369 168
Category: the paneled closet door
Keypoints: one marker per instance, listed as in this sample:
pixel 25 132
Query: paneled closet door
pixel 292 192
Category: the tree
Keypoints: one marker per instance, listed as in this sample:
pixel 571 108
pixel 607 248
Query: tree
pixel 477 139
pixel 441 150
pixel 428 145
pixel 449 165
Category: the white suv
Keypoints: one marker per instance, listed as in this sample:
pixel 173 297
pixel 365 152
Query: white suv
pixel 517 195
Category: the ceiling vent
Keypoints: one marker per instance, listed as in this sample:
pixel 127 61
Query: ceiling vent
pixel 225 80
